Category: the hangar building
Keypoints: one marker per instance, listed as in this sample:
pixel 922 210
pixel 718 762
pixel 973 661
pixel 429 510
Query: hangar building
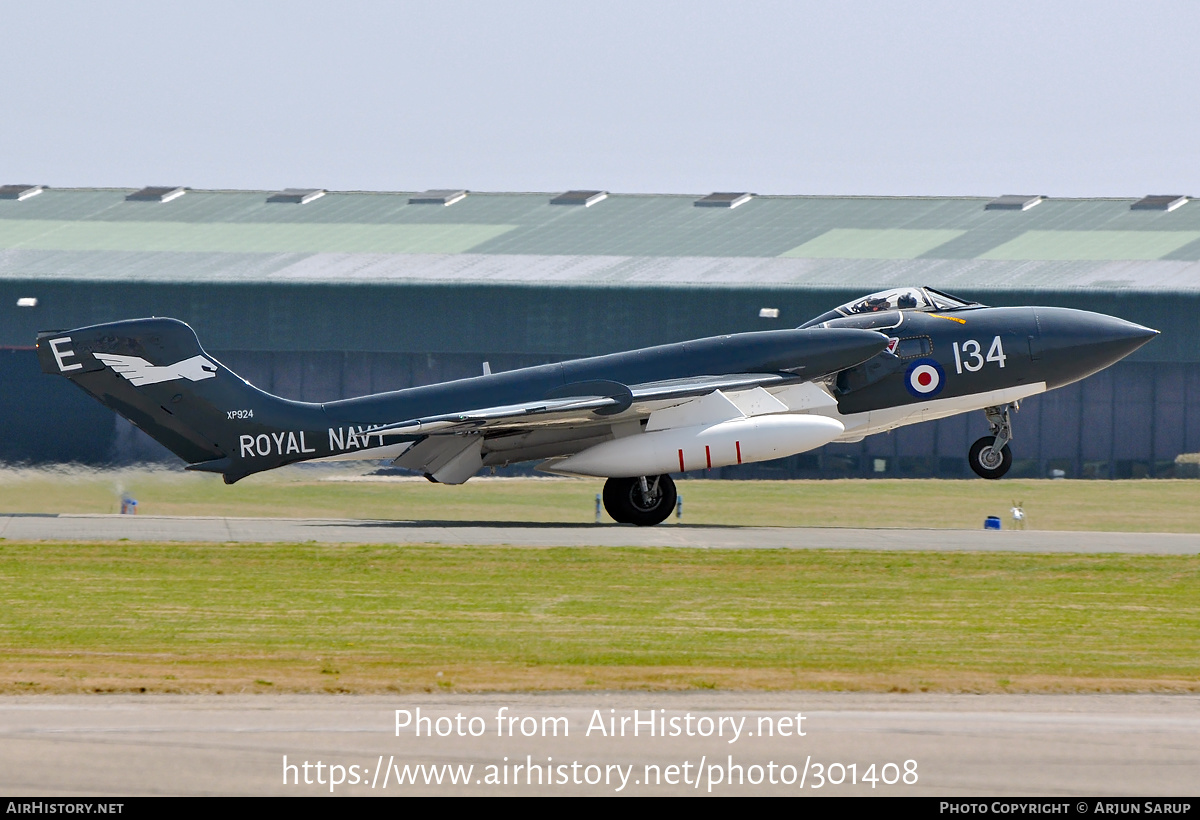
pixel 319 295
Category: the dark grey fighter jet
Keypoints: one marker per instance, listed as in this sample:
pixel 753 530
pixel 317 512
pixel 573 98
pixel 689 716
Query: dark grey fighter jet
pixel 880 362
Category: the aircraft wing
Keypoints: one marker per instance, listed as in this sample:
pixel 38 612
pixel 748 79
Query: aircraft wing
pixel 572 417
pixel 595 403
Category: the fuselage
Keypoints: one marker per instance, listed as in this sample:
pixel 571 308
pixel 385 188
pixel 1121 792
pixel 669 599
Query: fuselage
pixel 868 370
pixel 949 362
pixel 795 355
pixel 932 365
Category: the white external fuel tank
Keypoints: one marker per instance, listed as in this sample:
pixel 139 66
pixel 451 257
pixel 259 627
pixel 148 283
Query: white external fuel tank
pixel 736 441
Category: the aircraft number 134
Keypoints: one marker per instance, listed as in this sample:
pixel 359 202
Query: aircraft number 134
pixel 968 357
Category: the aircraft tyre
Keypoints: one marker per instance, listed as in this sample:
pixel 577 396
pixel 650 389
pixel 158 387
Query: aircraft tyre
pixel 986 462
pixel 612 495
pixel 627 504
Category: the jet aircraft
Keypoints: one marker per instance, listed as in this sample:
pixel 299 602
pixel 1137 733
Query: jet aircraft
pixel 886 360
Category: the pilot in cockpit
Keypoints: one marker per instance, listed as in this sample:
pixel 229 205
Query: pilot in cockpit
pixel 873 305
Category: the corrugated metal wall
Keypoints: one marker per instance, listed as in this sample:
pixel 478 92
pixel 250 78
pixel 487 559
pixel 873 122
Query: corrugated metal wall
pixel 544 320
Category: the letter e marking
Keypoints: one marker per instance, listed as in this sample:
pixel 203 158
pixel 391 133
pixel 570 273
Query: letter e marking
pixel 59 355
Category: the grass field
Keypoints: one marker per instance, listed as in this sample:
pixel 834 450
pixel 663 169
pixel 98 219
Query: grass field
pixel 108 617
pixel 1122 506
pixel 308 618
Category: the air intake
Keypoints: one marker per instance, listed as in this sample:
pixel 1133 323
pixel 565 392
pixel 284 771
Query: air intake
pixel 723 200
pixel 156 194
pixel 585 198
pixel 19 192
pixel 297 196
pixel 1014 202
pixel 447 197
pixel 1163 202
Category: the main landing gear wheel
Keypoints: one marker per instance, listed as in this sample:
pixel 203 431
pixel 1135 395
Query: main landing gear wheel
pixel 643 500
pixel 986 461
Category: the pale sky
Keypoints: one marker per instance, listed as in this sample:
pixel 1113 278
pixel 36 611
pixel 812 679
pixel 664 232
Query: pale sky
pixel 891 98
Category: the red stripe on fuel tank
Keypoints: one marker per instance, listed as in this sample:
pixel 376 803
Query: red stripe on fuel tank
pixel 708 456
pixel 681 462
pixel 738 444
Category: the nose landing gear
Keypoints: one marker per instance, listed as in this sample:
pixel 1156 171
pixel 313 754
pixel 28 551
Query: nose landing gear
pixel 990 456
pixel 643 500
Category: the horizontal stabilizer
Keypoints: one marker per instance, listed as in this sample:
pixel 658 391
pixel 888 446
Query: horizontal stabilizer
pixel 154 373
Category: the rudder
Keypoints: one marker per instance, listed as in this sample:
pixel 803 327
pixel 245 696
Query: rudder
pixel 155 373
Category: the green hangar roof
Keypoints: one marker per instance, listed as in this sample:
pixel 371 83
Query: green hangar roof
pixel 309 235
pixel 566 273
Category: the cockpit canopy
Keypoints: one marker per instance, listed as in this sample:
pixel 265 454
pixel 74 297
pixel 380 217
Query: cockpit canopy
pixel 922 299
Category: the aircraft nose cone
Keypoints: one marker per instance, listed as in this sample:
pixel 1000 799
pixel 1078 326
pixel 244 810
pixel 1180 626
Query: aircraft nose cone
pixel 1079 343
pixel 1119 336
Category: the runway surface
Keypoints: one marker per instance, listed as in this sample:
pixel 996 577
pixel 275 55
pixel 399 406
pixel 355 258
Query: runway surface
pixel 944 745
pixel 345 531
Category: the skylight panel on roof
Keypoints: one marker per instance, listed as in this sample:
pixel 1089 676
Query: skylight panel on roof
pixel 297 196
pixel 584 198
pixel 19 192
pixel 438 197
pixel 1159 202
pixel 156 194
pixel 725 199
pixel 1014 202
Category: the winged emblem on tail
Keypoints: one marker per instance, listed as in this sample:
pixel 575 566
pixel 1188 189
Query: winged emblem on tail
pixel 140 372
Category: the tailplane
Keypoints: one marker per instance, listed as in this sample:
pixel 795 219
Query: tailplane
pixel 154 373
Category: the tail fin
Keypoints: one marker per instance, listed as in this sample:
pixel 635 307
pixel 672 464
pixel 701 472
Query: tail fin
pixel 154 373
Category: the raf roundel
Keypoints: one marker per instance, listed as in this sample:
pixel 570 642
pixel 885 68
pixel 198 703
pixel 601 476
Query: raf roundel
pixel 925 377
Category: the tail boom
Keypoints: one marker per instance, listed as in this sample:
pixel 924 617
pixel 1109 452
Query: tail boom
pixel 154 373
